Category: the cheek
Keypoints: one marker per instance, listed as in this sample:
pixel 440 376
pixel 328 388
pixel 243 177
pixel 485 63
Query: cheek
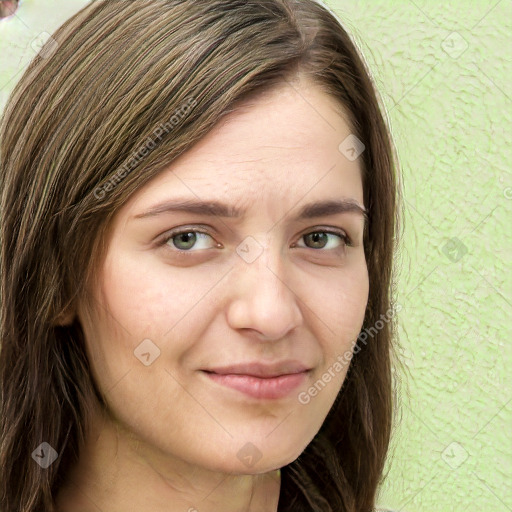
pixel 147 296
pixel 144 298
pixel 341 305
pixel 341 314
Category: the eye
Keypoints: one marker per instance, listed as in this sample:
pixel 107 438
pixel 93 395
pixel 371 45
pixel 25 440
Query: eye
pixel 320 239
pixel 184 239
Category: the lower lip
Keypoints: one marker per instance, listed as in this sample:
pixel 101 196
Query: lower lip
pixel 256 387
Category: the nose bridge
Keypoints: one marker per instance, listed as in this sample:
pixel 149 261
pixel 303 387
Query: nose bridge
pixel 263 299
pixel 261 255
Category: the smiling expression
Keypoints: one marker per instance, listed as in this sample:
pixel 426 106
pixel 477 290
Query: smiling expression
pixel 232 281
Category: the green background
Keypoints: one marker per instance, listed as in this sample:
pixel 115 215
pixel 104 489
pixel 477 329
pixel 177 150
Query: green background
pixel 443 70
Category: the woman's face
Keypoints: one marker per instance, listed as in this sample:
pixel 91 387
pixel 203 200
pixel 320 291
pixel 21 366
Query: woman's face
pixel 225 347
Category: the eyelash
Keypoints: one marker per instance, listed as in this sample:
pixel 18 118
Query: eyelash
pixel 180 231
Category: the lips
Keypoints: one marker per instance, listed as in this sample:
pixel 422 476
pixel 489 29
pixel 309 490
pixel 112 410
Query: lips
pixel 260 381
pixel 261 370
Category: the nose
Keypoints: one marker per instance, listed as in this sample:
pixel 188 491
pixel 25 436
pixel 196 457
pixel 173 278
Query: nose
pixel 262 300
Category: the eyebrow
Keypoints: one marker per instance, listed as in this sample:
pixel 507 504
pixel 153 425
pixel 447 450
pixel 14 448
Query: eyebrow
pixel 217 209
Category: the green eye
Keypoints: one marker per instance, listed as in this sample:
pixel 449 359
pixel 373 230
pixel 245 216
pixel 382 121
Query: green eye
pixel 185 240
pixel 320 239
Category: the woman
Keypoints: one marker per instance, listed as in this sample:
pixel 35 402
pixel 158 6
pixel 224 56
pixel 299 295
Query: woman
pixel 198 223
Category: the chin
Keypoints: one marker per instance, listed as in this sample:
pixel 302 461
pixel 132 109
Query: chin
pixel 257 458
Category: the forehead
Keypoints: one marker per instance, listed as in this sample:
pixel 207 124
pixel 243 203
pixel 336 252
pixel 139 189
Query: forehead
pixel 280 148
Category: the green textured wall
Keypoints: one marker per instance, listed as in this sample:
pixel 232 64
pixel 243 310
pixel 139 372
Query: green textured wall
pixel 444 71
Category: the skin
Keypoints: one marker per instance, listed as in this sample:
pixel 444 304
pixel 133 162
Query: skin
pixel 8 8
pixel 170 437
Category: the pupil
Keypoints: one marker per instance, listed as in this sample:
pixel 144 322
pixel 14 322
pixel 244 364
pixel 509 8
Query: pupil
pixel 183 237
pixel 317 236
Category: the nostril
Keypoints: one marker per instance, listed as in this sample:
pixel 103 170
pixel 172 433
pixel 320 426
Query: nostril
pixel 8 8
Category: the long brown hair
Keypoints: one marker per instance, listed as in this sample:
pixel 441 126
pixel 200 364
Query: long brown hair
pixel 113 77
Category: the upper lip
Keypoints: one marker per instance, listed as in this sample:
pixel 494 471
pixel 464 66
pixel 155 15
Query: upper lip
pixel 258 369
